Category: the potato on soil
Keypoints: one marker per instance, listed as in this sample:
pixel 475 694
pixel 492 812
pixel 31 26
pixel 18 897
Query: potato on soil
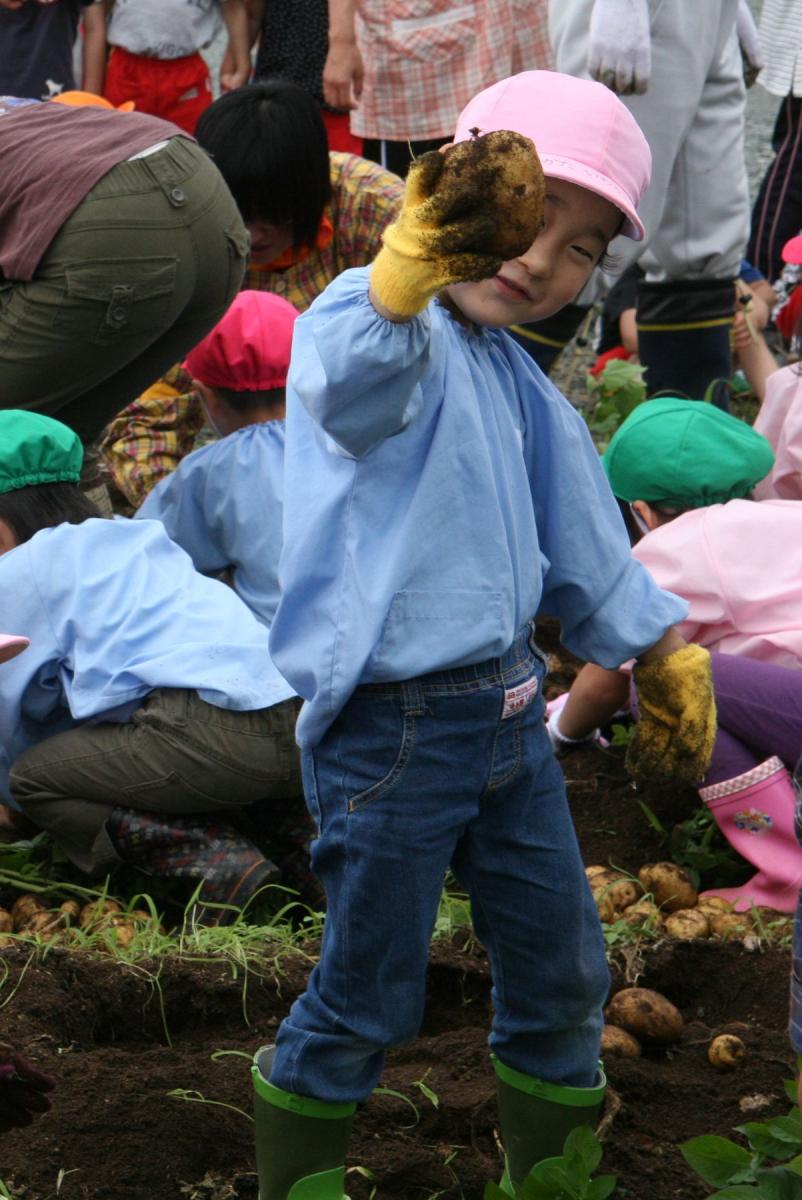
pixel 118 930
pixel 94 912
pixel 644 914
pixel 687 924
pixel 671 887
pixel 717 903
pixel 617 1043
pixel 44 925
pixel 645 1014
pixel 6 921
pixel 71 910
pixel 24 908
pixel 730 926
pixel 726 1052
pixel 592 872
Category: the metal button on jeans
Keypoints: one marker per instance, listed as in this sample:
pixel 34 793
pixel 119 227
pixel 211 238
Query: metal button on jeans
pixel 178 196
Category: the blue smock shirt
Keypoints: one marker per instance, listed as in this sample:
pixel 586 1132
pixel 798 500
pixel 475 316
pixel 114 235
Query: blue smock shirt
pixel 223 506
pixel 438 493
pixel 115 609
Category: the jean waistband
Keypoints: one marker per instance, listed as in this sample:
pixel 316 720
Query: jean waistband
pixel 508 669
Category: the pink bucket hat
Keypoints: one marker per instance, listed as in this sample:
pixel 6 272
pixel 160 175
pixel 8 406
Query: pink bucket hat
pixel 582 131
pixel 11 645
pixel 249 348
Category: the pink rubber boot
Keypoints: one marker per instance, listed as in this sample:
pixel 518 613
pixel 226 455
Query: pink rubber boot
pixel 755 812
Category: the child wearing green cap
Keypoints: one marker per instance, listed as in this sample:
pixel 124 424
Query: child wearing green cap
pixel 687 471
pixel 147 709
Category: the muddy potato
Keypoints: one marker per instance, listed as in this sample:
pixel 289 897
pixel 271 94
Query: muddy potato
pixel 24 908
pixel 624 893
pixel 94 912
pixel 604 904
pixel 716 903
pixel 119 930
pixel 726 1052
pixel 71 910
pixel 671 887
pixel 44 925
pixel 592 872
pixel 687 924
pixel 617 1043
pixel 645 1014
pixel 644 914
pixel 6 921
pixel 730 926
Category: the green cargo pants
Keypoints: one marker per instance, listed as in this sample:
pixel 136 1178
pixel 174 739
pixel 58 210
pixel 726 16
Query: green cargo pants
pixel 144 267
pixel 177 754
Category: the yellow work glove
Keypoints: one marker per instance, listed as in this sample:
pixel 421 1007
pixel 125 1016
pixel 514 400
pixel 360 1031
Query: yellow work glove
pixel 465 212
pixel 673 741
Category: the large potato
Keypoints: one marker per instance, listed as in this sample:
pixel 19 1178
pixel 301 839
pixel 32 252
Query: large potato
pixel 671 887
pixel 730 926
pixel 645 1014
pixel 24 908
pixel 687 924
pixel 93 913
pixel 617 1043
pixel 644 915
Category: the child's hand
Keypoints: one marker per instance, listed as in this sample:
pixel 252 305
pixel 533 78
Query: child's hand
pixel 673 741
pixel 466 210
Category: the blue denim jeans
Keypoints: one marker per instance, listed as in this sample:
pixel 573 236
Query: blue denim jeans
pixel 452 768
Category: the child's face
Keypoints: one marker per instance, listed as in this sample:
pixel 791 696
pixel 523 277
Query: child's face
pixel 577 226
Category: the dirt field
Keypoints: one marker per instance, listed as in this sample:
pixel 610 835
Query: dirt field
pixel 120 1039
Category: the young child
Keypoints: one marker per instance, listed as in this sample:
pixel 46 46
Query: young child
pixel 439 493
pixel 688 472
pixel 223 504
pixel 147 706
pixel 156 55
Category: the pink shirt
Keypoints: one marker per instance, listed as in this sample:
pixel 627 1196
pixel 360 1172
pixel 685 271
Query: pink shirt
pixel 425 59
pixel 780 422
pixel 739 565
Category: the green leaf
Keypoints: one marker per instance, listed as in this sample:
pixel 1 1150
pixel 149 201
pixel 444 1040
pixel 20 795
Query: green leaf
pixel 795 1164
pixel 791 1086
pixel 583 1148
pixel 601 1187
pixel 716 1159
pixel 777 1183
pixel 769 1140
pixel 738 1192
pixel 494 1192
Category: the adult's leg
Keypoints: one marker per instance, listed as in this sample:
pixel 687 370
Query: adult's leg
pixel 144 267
pixel 777 213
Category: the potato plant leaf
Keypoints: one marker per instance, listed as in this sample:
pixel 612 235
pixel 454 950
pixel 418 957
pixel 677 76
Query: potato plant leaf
pixel 718 1160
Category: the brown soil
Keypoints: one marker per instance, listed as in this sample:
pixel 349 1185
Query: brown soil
pixel 119 1040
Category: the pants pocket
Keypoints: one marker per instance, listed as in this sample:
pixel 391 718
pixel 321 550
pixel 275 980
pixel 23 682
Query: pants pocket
pixel 109 300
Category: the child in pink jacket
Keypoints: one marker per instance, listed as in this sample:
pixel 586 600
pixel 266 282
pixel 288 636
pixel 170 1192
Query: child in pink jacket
pixel 687 471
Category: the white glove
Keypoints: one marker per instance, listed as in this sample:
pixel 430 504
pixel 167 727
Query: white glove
pixel 620 48
pixel 748 36
pixel 560 743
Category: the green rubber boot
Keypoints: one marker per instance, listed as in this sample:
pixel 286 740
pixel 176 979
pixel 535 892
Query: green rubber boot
pixel 536 1118
pixel 300 1142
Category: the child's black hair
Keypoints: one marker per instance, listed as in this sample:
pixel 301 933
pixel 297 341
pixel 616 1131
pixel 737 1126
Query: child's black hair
pixel 270 144
pixel 26 510
pixel 245 402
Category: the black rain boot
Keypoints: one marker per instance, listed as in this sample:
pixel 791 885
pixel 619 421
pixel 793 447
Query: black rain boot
pixel 684 336
pixel 545 340
pixel 300 1142
pixel 536 1118
pixel 198 849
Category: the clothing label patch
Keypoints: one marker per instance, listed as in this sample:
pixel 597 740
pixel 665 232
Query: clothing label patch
pixel 518 697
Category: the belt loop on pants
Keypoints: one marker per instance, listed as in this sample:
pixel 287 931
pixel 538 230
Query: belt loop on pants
pixel 412 700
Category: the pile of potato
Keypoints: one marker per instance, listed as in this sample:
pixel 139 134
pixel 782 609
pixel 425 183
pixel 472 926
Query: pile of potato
pixel 31 918
pixel 637 1017
pixel 663 899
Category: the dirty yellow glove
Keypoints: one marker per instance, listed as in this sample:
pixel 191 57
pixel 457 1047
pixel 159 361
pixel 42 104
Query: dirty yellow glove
pixel 465 212
pixel 674 737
